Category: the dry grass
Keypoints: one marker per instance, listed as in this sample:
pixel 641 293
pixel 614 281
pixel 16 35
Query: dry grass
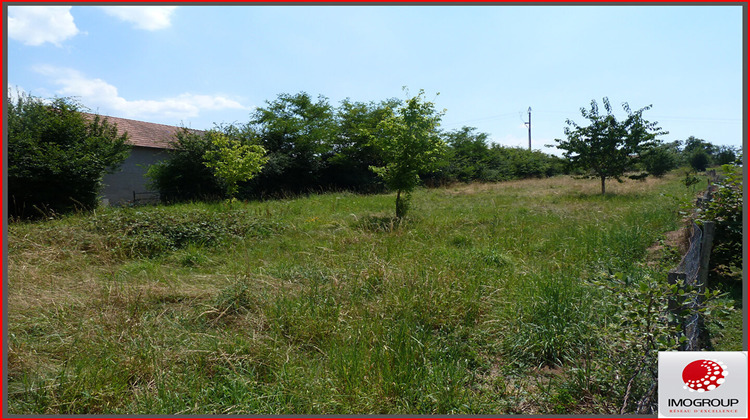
pixel 344 312
pixel 560 185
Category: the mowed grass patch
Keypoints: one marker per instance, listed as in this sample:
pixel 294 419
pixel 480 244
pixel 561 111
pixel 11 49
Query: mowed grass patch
pixel 325 304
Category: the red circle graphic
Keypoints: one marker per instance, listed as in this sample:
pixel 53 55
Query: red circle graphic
pixel 704 375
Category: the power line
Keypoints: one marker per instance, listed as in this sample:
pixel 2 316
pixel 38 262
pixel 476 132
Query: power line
pixel 491 117
pixel 697 119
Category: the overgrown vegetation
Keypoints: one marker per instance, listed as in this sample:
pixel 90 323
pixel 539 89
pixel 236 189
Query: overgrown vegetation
pixel 725 210
pixel 483 301
pixel 57 156
pixel 314 147
pixel 133 232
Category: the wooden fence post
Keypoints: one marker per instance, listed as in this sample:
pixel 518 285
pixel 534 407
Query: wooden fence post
pixel 707 243
pixel 704 341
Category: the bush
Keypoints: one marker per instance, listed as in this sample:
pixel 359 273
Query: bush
pixel 57 156
pixel 699 160
pixel 184 176
pixel 726 155
pixel 152 232
pixel 659 161
pixel 469 158
pixel 725 209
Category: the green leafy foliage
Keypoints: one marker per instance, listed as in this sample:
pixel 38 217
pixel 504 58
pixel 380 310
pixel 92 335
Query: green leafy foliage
pixel 184 176
pixel 698 160
pixel 57 156
pixel 297 132
pixel 690 180
pixel 607 147
pixel 312 146
pixel 410 144
pixel 694 144
pixel 233 161
pixel 469 158
pixel 726 155
pixel 135 233
pixel 647 314
pixel 660 160
pixel 352 153
pixel 725 209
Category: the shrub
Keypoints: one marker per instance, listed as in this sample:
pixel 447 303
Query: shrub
pixel 658 161
pixel 184 176
pixel 699 160
pixel 725 155
pixel 57 156
pixel 725 209
pixel 232 161
pixel 152 232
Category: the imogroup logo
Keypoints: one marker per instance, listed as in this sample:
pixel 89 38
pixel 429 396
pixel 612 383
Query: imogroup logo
pixel 704 375
pixel 699 384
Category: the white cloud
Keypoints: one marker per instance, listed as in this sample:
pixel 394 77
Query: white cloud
pixel 150 18
pixel 15 92
pixel 103 97
pixel 35 25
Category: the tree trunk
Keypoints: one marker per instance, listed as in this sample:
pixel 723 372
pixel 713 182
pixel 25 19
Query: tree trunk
pixel 603 178
pixel 399 205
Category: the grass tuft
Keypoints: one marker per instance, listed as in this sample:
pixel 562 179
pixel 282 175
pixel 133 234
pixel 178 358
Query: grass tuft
pixel 325 305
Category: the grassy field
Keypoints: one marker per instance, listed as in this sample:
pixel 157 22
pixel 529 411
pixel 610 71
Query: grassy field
pixel 479 302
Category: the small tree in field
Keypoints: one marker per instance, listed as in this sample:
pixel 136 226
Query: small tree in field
pixel 233 162
pixel 409 141
pixel 699 160
pixel 607 148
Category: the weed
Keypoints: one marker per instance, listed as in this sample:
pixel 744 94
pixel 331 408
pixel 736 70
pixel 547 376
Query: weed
pixel 380 223
pixel 234 299
pixel 290 307
pixel 149 233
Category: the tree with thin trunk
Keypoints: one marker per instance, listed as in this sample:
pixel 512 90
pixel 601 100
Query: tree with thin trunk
pixel 410 143
pixel 608 148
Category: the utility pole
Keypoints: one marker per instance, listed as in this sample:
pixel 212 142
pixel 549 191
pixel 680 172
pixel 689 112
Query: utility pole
pixel 529 125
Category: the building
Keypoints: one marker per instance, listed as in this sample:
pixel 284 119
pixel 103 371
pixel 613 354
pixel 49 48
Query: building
pixel 150 142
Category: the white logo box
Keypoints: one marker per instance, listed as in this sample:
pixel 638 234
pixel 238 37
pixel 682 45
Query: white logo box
pixel 703 384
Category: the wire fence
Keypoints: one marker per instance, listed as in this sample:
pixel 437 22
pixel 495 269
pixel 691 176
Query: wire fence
pixel 692 271
pixel 144 198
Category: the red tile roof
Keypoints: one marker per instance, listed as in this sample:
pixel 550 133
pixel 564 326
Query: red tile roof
pixel 144 134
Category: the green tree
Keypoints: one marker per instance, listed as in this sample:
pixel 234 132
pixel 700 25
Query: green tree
pixel 693 144
pixel 410 143
pixel 467 154
pixel 297 132
pixel 232 161
pixel 184 176
pixel 607 148
pixel 725 155
pixel 352 153
pixel 57 155
pixel 699 160
pixel 660 160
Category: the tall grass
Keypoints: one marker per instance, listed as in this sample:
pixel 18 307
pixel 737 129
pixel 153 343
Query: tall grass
pixel 325 304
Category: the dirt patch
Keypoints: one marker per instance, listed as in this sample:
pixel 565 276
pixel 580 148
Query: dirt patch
pixel 674 242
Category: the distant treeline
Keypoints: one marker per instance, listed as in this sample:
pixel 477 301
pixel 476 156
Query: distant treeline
pixel 56 158
pixel 313 146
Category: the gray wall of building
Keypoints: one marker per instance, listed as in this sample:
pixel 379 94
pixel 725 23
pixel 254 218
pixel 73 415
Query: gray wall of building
pixel 119 187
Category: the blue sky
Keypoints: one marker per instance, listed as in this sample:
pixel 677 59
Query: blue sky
pixel 199 65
